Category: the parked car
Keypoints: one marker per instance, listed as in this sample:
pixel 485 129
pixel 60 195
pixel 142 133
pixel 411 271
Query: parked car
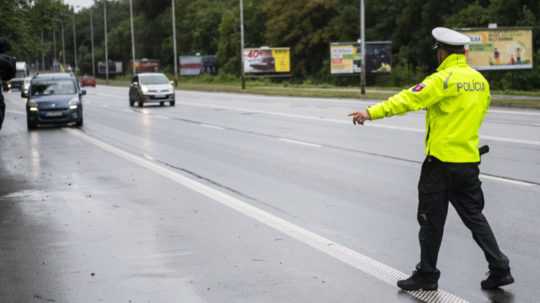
pixel 88 81
pixel 54 98
pixel 151 88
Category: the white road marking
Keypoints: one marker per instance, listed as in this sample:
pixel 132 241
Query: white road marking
pixel 148 157
pixel 212 126
pixel 500 179
pixel 372 124
pixel 15 112
pixel 513 112
pixel 340 252
pixel 509 140
pixel 162 117
pixel 299 142
pixel 341 121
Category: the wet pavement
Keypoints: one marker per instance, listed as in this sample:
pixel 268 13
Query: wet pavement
pixel 226 198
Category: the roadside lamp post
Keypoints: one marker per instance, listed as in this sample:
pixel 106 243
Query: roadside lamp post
pixel 92 41
pixel 75 65
pixel 243 79
pixel 63 43
pixel 363 48
pixel 174 42
pixel 106 42
pixel 132 37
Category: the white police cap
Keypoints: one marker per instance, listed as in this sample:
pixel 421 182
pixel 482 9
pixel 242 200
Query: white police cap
pixel 450 37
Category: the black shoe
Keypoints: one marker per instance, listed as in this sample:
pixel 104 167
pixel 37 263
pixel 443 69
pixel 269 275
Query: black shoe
pixel 420 280
pixel 497 279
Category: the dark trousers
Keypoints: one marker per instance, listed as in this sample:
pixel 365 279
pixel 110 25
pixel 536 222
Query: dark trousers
pixel 459 184
pixel 2 107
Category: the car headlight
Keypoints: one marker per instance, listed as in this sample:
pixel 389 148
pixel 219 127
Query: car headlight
pixel 32 106
pixel 144 89
pixel 74 103
pixel 171 89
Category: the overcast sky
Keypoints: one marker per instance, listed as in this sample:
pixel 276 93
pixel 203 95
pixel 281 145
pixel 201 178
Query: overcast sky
pixel 82 3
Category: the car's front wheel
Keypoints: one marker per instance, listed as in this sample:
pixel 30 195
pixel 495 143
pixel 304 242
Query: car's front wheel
pixel 172 103
pixel 30 125
pixel 79 123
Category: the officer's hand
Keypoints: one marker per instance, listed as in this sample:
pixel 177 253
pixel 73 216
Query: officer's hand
pixel 360 117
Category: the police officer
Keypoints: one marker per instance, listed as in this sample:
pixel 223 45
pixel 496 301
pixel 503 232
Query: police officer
pixel 456 99
pixel 7 72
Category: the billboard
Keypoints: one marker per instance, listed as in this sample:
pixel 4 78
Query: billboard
pixel 267 60
pixel 197 65
pixel 190 65
pixel 345 58
pixel 500 48
pixel 146 65
pixel 115 68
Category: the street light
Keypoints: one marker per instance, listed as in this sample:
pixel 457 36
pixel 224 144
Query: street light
pixel 132 37
pixel 42 52
pixel 92 41
pixel 363 48
pixel 174 42
pixel 63 44
pixel 106 42
pixel 74 41
pixel 243 80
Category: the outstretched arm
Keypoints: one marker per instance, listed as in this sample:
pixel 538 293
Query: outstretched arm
pixel 421 96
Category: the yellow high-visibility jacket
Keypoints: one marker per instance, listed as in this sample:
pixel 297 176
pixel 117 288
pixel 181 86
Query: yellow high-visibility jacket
pixel 456 98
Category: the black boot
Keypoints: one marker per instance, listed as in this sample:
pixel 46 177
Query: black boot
pixel 420 280
pixel 497 278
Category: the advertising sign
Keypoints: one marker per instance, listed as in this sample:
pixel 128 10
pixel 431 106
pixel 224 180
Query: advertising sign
pixel 197 65
pixel 190 65
pixel 146 66
pixel 115 68
pixel 267 60
pixel 500 48
pixel 345 58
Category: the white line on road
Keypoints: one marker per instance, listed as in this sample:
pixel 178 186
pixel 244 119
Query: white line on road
pixel 513 112
pixel 341 121
pixel 299 142
pixel 505 180
pixel 376 124
pixel 15 112
pixel 212 126
pixel 148 157
pixel 342 253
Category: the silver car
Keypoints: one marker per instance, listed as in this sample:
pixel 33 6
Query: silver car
pixel 151 88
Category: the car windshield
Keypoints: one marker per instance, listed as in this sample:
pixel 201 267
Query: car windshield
pixel 53 87
pixel 154 79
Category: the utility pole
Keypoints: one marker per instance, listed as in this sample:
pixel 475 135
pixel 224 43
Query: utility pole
pixel 174 42
pixel 54 47
pixel 132 37
pixel 42 51
pixel 106 43
pixel 92 42
pixel 243 79
pixel 74 43
pixel 63 44
pixel 363 47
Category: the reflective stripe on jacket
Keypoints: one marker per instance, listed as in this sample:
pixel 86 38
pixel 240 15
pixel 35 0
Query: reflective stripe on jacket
pixel 456 99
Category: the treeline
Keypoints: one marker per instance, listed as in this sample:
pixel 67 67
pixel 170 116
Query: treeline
pixel 307 26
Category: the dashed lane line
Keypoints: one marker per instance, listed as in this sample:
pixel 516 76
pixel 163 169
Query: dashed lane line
pixel 299 142
pixel 340 252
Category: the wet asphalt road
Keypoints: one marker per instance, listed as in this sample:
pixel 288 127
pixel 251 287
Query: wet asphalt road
pixel 105 214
